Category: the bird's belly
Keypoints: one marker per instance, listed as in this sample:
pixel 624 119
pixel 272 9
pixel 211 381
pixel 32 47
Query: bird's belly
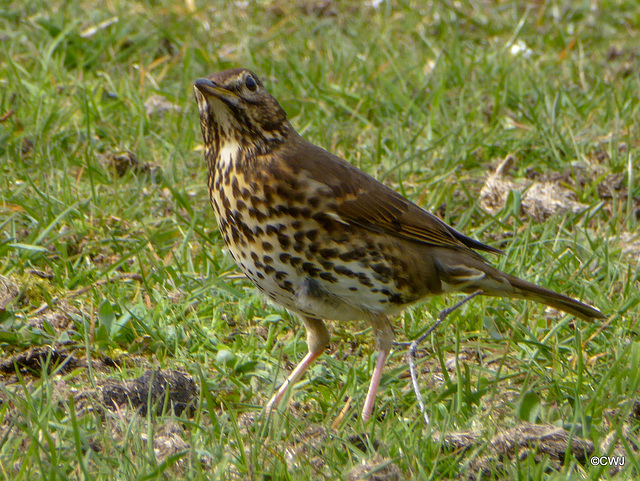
pixel 309 262
pixel 301 283
pixel 315 274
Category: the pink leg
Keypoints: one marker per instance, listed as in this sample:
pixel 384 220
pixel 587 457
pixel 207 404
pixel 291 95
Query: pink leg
pixel 317 340
pixel 367 410
pixel 292 379
pixel 383 332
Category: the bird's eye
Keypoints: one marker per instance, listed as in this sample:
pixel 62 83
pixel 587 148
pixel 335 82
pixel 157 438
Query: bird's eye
pixel 250 83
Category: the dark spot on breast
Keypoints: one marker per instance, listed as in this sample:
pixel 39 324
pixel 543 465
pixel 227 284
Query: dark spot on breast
pixel 298 247
pixel 310 269
pixel 235 189
pixel 344 271
pixel 299 237
pixel 353 288
pixel 287 286
pixel 364 280
pixel 313 201
pixel 327 276
pixel 277 210
pixel 225 202
pixel 353 254
pixel 235 235
pixel 268 270
pixel 284 257
pixel 260 216
pixel 246 231
pixel 246 194
pixel 312 234
pixel 267 247
pixel 296 224
pixel 313 248
pixel 240 205
pixel 294 211
pixel 281 275
pixel 254 257
pixel 328 253
pixel 260 276
pixel 306 212
pixel 216 208
pixel 273 230
pixel 237 216
pixel 267 260
pixel 284 241
pixel 328 265
pixel 295 261
pixel 227 176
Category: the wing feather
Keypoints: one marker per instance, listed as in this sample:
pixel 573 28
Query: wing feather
pixel 363 201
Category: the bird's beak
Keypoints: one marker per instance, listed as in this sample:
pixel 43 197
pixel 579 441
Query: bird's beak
pixel 207 87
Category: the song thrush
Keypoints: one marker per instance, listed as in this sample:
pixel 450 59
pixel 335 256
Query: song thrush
pixel 322 238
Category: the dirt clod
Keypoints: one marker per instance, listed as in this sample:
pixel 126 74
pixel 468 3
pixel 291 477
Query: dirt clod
pixel 540 198
pixel 528 439
pixel 178 389
pixel 122 162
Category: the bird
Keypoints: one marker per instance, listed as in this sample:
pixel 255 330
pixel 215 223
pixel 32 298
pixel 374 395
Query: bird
pixel 324 239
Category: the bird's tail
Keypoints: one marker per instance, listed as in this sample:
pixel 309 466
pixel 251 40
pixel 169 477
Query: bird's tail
pixel 527 290
pixel 462 272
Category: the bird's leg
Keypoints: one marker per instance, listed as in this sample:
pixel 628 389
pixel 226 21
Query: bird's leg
pixel 413 346
pixel 317 339
pixel 383 332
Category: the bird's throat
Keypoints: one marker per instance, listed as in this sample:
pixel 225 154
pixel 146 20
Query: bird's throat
pixel 228 155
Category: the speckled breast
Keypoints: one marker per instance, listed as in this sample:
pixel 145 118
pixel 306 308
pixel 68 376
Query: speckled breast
pixel 283 232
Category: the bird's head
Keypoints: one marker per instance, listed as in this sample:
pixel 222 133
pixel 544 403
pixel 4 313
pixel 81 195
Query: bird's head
pixel 236 108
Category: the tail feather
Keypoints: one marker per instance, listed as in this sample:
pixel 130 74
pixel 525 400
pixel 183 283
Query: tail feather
pixel 462 272
pixel 527 290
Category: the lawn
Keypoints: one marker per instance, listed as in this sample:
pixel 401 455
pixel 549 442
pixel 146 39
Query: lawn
pixel 133 349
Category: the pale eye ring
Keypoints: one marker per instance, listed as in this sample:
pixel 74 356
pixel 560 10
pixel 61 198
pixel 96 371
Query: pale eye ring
pixel 250 83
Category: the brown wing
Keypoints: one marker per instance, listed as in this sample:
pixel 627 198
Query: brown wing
pixel 363 201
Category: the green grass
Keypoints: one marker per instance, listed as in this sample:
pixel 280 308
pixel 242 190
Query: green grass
pixel 425 97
